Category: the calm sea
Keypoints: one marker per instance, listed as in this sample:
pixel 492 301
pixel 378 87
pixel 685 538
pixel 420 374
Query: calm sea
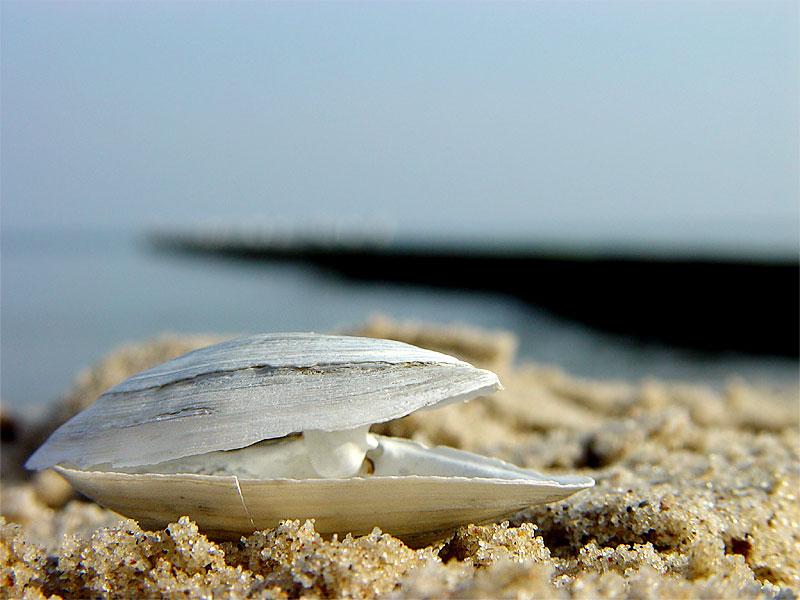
pixel 69 297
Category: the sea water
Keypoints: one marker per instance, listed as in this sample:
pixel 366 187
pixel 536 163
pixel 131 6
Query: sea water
pixel 69 296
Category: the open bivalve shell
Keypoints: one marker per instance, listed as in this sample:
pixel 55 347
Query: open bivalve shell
pixel 247 432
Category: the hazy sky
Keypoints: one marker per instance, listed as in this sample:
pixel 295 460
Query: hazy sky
pixel 610 118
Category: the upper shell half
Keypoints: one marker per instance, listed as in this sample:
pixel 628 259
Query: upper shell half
pixel 239 392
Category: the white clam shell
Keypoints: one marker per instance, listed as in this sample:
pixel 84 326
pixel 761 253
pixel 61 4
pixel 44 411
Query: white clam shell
pixel 182 439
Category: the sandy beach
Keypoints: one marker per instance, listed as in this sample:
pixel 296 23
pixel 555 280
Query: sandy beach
pixel 697 495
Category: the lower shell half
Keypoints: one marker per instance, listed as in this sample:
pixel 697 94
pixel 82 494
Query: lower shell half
pixel 415 508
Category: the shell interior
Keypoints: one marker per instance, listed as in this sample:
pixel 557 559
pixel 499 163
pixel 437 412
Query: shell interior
pixel 288 458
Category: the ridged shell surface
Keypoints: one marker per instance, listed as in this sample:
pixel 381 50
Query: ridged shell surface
pixel 245 390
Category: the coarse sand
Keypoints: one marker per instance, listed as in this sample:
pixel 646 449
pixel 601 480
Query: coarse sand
pixel 696 497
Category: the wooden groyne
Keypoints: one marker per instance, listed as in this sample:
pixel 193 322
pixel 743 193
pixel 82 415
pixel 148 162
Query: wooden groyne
pixel 708 303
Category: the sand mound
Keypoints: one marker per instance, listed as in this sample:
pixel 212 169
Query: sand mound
pixel 696 496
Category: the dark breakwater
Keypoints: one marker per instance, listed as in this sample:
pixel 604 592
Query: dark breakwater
pixel 700 302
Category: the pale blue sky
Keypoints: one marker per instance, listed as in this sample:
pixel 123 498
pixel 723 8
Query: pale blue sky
pixel 598 119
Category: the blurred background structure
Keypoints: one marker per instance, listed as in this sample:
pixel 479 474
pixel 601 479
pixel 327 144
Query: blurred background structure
pixel 664 131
